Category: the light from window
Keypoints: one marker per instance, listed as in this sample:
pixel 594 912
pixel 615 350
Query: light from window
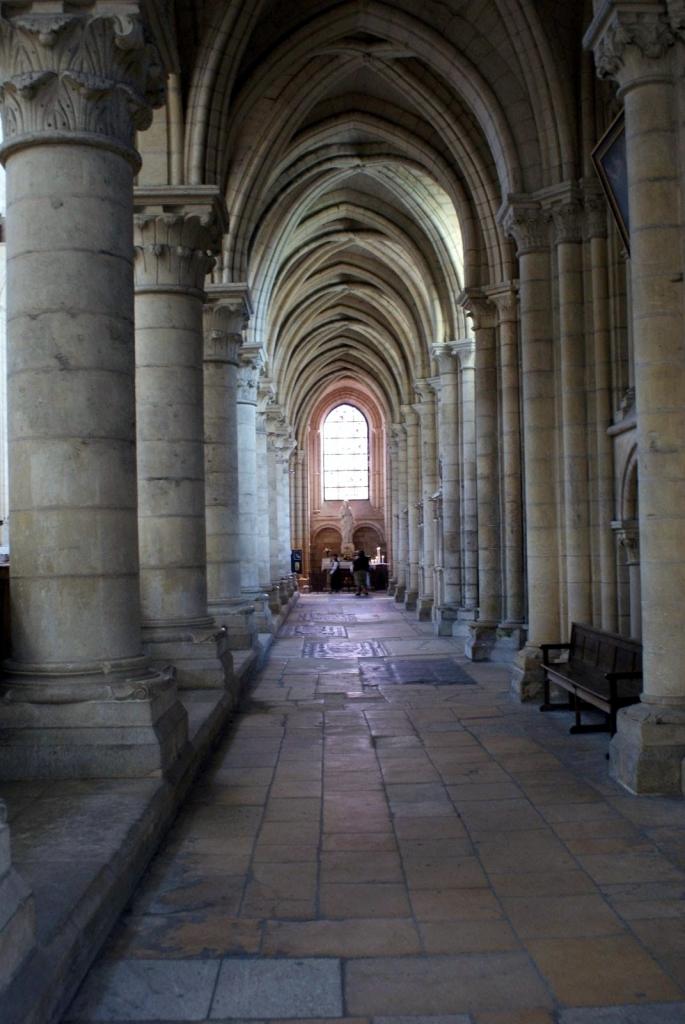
pixel 345 454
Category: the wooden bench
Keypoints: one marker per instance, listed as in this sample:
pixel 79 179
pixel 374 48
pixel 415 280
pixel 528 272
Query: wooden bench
pixel 603 669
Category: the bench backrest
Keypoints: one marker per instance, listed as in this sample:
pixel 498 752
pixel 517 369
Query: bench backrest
pixel 606 652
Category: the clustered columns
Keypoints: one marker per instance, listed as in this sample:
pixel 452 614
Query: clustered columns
pixel 226 315
pixel 411 427
pixel 280 446
pixel 79 699
pixel 445 613
pixel 483 632
pixel 393 478
pixel 527 223
pixel 174 230
pixel 637 48
pixel 465 351
pixel 425 410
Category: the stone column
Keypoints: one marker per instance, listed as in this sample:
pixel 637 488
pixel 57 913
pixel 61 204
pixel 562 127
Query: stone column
pixel 392 471
pixel 637 49
pixel 280 445
pixel 174 230
pixel 483 631
pixel 567 216
pixel 402 550
pixel 411 427
pixel 448 447
pixel 251 532
pixel 78 699
pixel 263 502
pixel 425 409
pixel 225 317
pixel 510 632
pixel 600 410
pixel 17 910
pixel 528 225
pixel 629 538
pixel 466 353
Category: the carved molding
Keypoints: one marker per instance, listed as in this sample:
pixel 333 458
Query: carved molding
pixel 465 351
pixel 444 357
pixel 226 315
pixel 176 232
pixel 628 536
pixel 596 222
pixel 92 71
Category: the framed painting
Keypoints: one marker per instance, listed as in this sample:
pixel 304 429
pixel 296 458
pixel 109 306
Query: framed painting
pixel 609 158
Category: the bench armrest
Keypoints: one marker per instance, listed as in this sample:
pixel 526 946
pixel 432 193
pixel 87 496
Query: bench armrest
pixel 546 648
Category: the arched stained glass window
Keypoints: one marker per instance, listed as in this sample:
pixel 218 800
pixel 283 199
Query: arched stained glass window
pixel 345 451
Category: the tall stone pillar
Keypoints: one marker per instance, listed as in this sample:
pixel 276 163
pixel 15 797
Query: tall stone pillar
pixel 510 632
pixel 567 215
pixel 602 479
pixel 425 409
pixel 78 698
pixel 280 446
pixel 174 230
pixel 483 631
pixel 466 354
pixel 250 531
pixel 445 615
pixel 402 550
pixel 393 474
pixel 17 910
pixel 637 49
pixel 226 314
pixel 411 427
pixel 263 501
pixel 299 506
pixel 528 225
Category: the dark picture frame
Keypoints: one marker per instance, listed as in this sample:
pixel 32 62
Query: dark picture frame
pixel 610 160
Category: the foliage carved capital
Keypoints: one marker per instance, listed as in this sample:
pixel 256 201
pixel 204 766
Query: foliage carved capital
pixel 89 69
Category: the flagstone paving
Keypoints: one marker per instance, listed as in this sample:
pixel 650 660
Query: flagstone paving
pixel 377 843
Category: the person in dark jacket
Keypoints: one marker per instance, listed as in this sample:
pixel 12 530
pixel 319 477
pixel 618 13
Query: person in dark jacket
pixel 335 573
pixel 360 568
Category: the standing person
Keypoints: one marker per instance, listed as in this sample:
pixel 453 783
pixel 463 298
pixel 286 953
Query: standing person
pixel 335 574
pixel 360 568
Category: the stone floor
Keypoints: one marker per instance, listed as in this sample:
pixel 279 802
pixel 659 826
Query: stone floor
pixel 366 845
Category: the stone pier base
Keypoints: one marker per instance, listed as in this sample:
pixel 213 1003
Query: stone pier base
pixel 424 609
pixel 480 641
pixel 400 593
pixel 238 619
pixel 201 657
pixel 411 600
pixel 648 751
pixel 527 676
pixel 444 618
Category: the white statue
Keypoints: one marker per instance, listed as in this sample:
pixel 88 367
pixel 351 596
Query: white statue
pixel 346 523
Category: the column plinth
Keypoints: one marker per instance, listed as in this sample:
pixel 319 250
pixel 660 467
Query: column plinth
pixel 79 699
pixel 637 48
pixel 175 229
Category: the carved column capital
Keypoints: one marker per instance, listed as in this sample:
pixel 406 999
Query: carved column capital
pixel 251 362
pixel 596 223
pixel 628 536
pixel 176 231
pixel 88 69
pixel 226 316
pixel 465 351
pixel 633 41
pixel 527 223
pixel 478 308
pixel 567 221
pixel 444 357
pixel 505 299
